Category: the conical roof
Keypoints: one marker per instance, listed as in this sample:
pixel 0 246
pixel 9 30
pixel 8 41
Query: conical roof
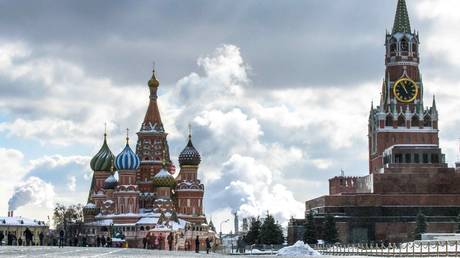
pixel 103 160
pixel 401 23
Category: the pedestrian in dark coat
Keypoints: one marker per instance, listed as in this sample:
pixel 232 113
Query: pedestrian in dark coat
pixel 170 241
pixel 208 245
pixel 61 238
pixel 41 236
pixel 98 241
pixel 29 236
pixel 197 244
pixel 2 236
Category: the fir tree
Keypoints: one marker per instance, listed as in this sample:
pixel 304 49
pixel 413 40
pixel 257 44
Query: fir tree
pixel 252 237
pixel 309 235
pixel 271 232
pixel 330 230
pixel 420 226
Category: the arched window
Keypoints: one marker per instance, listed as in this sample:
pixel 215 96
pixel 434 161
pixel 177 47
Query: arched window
pixel 401 121
pixel 414 47
pixel 404 45
pixel 415 122
pixel 427 121
pixel 392 45
pixel 389 120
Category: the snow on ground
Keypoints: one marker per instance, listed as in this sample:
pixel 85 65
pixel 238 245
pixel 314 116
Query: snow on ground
pixel 298 249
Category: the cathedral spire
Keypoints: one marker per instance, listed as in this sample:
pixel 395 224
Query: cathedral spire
pixel 152 120
pixel 401 23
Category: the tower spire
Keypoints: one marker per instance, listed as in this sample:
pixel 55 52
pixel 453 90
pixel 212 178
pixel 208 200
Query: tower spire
pixel 152 120
pixel 401 23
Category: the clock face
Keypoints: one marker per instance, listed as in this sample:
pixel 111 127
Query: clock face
pixel 405 90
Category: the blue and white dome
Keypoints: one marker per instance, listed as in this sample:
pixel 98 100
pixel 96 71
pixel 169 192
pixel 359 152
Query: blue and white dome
pixel 127 159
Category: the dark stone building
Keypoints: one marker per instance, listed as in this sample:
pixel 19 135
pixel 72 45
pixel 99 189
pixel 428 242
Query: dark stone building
pixel 407 170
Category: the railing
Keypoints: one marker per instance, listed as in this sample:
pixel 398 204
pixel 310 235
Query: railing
pixel 413 249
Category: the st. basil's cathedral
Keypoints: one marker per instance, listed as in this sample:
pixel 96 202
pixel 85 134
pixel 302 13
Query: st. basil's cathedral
pixel 147 201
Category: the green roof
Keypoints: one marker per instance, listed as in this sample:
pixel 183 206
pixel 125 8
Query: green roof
pixel 402 23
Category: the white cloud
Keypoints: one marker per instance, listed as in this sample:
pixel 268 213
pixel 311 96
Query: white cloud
pixel 72 183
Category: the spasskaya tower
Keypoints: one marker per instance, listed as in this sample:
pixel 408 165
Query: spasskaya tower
pixel 401 118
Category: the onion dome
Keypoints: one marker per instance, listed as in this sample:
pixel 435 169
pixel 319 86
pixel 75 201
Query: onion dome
pixel 189 156
pixel 110 183
pixel 153 82
pixel 127 159
pixel 103 160
pixel 163 178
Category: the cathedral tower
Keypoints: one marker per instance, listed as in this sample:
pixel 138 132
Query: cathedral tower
pixel 151 142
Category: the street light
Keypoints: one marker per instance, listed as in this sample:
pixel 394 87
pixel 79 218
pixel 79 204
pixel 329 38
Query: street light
pixel 225 221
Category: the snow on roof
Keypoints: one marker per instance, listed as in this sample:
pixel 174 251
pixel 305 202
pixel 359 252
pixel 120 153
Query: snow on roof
pixel 147 221
pixel 20 221
pixel 104 222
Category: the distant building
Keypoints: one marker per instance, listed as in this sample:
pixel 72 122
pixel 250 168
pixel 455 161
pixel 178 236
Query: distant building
pixel 407 169
pixel 18 225
pixel 147 199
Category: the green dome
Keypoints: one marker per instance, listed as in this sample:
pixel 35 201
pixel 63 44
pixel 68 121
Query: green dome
pixel 103 160
pixel 163 179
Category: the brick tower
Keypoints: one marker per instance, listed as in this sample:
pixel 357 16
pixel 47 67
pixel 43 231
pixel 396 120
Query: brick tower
pixel 401 118
pixel 150 145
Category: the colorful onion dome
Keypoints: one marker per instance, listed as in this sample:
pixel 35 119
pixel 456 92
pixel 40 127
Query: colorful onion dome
pixel 189 155
pixel 127 159
pixel 110 183
pixel 163 179
pixel 103 160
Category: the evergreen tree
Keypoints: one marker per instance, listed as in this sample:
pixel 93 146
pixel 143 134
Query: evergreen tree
pixel 252 237
pixel 330 230
pixel 309 235
pixel 420 226
pixel 271 232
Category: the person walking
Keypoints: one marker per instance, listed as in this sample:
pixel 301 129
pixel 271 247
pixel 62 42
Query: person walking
pixel 2 236
pixel 144 242
pixel 98 241
pixel 41 236
pixel 61 239
pixel 170 241
pixel 20 241
pixel 197 244
pixel 103 241
pixel 28 234
pixel 208 245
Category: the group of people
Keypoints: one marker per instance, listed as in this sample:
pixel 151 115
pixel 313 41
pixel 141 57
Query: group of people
pixel 12 239
pixel 151 241
pixel 102 241
pixel 208 242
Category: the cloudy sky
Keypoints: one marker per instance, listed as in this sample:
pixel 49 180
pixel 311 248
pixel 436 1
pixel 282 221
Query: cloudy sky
pixel 278 92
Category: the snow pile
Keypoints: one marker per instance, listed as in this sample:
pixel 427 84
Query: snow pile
pixel 298 249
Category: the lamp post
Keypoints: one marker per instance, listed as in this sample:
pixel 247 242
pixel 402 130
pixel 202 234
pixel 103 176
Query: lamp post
pixel 220 234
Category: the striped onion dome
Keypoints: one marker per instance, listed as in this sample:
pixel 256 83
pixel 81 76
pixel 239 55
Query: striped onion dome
pixel 103 160
pixel 189 155
pixel 127 159
pixel 163 179
pixel 110 183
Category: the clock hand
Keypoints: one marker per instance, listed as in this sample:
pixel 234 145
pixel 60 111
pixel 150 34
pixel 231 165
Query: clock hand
pixel 404 87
